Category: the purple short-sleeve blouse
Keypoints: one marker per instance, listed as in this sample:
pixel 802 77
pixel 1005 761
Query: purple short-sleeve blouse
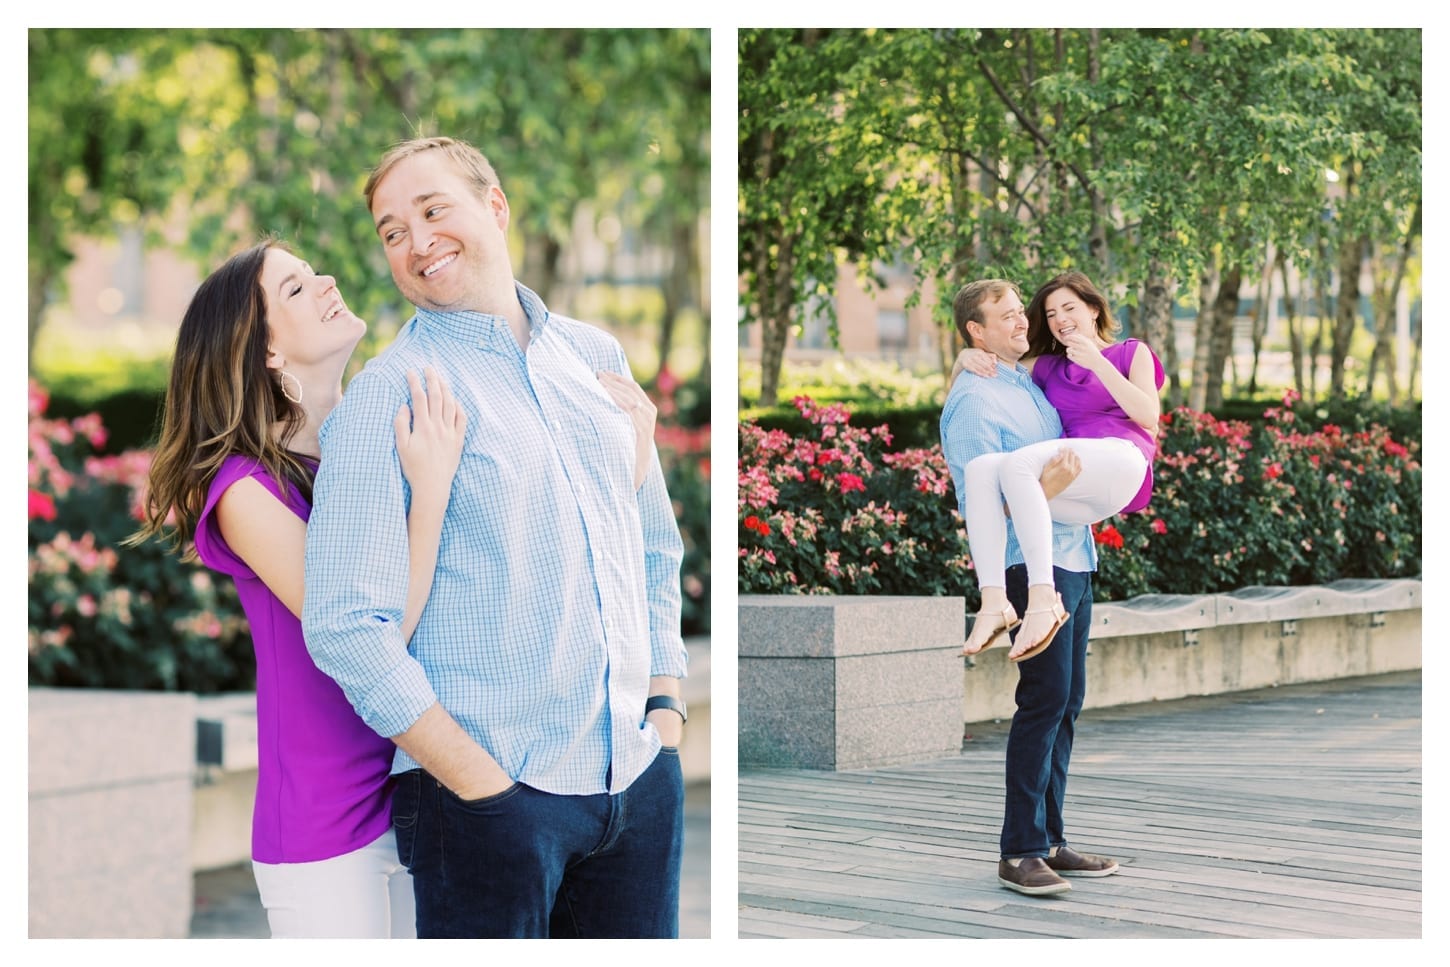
pixel 1088 410
pixel 322 775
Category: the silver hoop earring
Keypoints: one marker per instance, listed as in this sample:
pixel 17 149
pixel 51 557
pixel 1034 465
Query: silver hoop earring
pixel 282 377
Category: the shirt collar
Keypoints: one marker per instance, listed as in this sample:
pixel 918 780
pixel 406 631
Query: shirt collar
pixel 1016 371
pixel 484 329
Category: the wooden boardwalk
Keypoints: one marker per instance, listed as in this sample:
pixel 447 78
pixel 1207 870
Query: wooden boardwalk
pixel 1292 812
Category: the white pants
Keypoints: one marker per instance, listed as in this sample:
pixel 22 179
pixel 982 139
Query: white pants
pixel 1112 473
pixel 365 893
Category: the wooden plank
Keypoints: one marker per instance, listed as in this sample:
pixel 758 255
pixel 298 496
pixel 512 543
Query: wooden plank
pixel 1292 812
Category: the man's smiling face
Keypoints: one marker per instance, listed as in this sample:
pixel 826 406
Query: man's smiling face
pixel 446 246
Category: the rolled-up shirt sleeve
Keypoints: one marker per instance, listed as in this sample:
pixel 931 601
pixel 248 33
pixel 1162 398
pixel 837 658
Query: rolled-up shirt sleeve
pixel 357 561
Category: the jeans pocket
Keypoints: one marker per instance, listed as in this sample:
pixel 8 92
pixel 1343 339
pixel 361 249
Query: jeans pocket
pixel 407 801
pixel 497 799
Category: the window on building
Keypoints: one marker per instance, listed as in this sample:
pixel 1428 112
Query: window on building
pixel 891 329
pixel 815 329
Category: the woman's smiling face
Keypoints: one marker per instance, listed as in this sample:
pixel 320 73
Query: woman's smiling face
pixel 1067 312
pixel 307 320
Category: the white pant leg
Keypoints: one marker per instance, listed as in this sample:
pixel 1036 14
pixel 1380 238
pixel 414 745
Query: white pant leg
pixel 985 519
pixel 365 893
pixel 1112 472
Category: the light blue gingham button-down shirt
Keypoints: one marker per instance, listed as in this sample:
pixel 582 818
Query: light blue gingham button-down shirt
pixel 998 415
pixel 557 590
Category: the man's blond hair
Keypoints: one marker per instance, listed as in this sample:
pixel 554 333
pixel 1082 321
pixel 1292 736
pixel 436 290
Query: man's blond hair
pixel 470 161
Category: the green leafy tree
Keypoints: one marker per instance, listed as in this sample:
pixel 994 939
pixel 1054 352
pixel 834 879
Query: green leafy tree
pixel 93 147
pixel 1171 165
pixel 243 132
pixel 807 195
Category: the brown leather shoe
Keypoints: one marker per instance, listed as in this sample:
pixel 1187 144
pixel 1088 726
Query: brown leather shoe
pixel 1031 877
pixel 1069 862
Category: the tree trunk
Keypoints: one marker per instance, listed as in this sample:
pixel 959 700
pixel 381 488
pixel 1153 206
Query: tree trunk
pixel 541 264
pixel 680 284
pixel 775 313
pixel 1382 306
pixel 1386 297
pixel 1292 320
pixel 963 258
pixel 1261 317
pixel 1225 310
pixel 1202 340
pixel 1414 389
pixel 1157 326
pixel 1321 317
pixel 1346 315
pixel 40 280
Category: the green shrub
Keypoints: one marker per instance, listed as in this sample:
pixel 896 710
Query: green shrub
pixel 846 379
pixel 910 426
pixel 1352 413
pixel 1355 414
pixel 132 417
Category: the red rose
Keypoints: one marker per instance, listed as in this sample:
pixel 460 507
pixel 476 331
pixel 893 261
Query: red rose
pixel 42 506
pixel 1109 537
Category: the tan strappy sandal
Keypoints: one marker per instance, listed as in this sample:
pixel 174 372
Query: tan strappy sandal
pixel 1061 615
pixel 1008 621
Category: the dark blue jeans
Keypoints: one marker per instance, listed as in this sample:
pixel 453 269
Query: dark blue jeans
pixel 1050 690
pixel 527 863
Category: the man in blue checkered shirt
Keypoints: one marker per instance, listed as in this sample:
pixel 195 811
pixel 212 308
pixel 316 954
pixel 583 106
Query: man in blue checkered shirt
pixel 537 707
pixel 995 412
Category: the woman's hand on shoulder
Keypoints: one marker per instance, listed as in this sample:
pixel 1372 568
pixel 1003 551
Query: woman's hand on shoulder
pixel 979 362
pixel 631 397
pixel 430 438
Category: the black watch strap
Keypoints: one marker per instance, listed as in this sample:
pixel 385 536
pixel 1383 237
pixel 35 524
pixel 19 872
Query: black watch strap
pixel 666 701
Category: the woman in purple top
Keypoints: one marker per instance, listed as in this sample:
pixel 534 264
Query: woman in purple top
pixel 1106 394
pixel 258 366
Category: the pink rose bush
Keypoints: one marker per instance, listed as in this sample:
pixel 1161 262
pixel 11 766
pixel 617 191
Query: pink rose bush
pixel 1282 502
pixel 103 614
pixel 836 511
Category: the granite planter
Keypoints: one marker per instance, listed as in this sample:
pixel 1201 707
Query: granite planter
pixel 846 682
pixel 110 804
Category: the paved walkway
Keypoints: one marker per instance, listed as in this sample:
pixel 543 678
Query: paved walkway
pixel 1292 812
pixel 227 904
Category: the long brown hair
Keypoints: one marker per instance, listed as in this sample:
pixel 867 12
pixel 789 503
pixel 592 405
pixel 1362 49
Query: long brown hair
pixel 1040 339
pixel 221 400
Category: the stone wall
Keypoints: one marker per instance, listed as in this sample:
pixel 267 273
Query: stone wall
pixel 846 682
pixel 1161 647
